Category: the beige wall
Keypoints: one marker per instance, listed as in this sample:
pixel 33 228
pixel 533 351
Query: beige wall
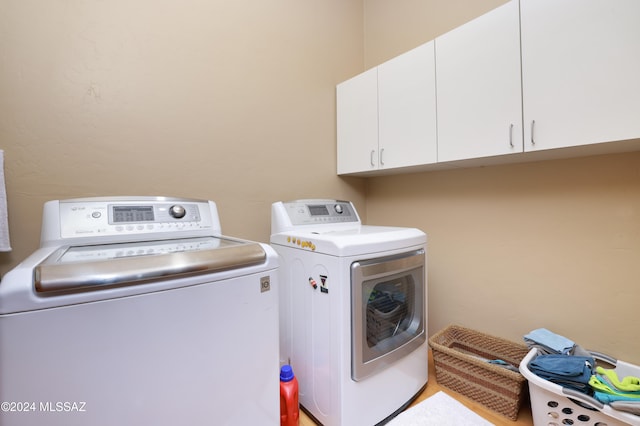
pixel 232 101
pixel 551 244
pixel 393 27
pixel 235 102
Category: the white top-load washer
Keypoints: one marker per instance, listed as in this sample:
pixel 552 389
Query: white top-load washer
pixel 353 304
pixel 137 311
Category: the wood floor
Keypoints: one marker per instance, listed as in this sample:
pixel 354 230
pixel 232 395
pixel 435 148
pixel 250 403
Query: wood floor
pixel 524 417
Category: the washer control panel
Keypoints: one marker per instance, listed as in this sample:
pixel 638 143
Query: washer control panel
pixel 314 212
pixel 127 217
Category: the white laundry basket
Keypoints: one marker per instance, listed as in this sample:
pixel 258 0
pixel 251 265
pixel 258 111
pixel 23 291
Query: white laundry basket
pixel 554 405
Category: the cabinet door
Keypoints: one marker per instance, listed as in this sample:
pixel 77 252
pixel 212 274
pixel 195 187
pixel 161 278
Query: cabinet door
pixel 580 72
pixel 357 123
pixel 407 109
pixel 479 87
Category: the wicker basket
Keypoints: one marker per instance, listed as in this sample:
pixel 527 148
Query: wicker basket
pixel 460 356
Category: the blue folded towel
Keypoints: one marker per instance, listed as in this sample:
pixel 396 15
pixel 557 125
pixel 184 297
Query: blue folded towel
pixel 568 371
pixel 554 343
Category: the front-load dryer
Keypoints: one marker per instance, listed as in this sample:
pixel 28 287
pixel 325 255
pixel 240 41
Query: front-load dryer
pixel 353 316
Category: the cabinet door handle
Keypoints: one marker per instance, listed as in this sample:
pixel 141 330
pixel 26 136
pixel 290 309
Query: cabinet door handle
pixel 381 157
pixel 511 135
pixel 371 158
pixel 533 141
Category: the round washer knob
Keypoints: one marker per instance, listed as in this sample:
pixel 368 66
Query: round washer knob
pixel 177 211
pixel 338 208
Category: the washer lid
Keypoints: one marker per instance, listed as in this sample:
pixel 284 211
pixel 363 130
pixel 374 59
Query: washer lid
pixel 86 268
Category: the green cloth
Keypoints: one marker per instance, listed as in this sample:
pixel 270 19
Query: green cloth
pixel 605 383
pixel 627 384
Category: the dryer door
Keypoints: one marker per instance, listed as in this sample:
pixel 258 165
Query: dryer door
pixel 388 310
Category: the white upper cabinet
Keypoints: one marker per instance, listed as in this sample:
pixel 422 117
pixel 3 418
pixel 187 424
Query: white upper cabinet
pixel 516 83
pixel 407 109
pixel 386 116
pixel 580 72
pixel 357 123
pixel 479 87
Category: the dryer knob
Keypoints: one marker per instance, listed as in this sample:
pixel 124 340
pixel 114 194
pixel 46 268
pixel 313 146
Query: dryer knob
pixel 177 211
pixel 338 208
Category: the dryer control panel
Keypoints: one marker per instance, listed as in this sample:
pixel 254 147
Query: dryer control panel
pixel 318 212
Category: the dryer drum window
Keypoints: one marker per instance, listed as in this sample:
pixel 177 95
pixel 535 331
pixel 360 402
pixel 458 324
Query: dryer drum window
pixel 388 311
